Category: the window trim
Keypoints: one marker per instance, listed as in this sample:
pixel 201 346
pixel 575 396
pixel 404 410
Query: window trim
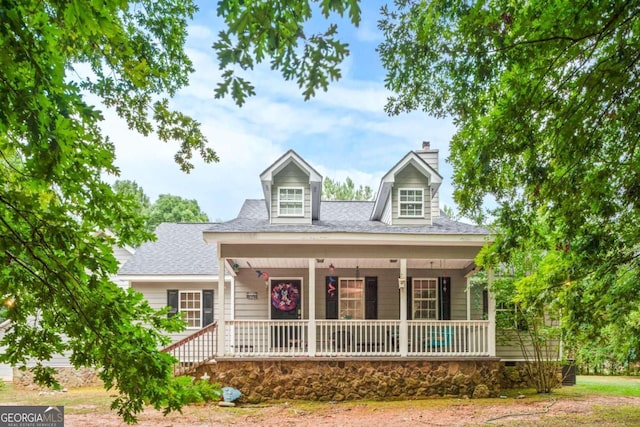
pixel 413 202
pixel 361 280
pixel 280 214
pixel 188 291
pixel 415 299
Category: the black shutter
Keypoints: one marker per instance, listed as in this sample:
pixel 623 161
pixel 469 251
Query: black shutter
pixel 409 299
pixel 172 301
pixel 485 304
pixel 207 307
pixel 444 290
pixel 370 297
pixel 331 295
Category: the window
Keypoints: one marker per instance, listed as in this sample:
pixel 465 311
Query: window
pixel 290 201
pixel 509 316
pixel 190 305
pixel 351 298
pixel 195 307
pixel 411 202
pixel 425 299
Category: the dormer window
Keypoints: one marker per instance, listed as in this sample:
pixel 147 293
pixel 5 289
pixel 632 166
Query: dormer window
pixel 411 202
pixel 291 201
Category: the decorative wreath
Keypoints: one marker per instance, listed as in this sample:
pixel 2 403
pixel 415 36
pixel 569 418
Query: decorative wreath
pixel 285 296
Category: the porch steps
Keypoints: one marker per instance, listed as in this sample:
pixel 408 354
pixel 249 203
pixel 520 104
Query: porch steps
pixel 194 350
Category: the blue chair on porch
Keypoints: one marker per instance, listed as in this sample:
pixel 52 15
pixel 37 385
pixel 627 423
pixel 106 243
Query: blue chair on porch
pixel 440 338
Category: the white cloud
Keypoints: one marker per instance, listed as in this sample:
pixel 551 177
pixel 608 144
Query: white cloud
pixel 342 133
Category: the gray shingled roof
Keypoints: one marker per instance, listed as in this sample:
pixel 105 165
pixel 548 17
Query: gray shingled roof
pixel 338 216
pixel 178 250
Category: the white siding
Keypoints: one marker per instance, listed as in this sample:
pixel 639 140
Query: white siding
pixel 156 294
pixel 387 212
pixel 388 292
pixel 122 255
pixel 291 176
pixel 410 177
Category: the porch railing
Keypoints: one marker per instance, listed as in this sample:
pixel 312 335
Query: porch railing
pixel 195 350
pixel 278 338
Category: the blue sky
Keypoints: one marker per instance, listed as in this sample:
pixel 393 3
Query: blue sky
pixel 341 133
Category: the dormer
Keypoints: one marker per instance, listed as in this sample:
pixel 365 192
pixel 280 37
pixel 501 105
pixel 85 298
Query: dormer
pixel 292 190
pixel 408 193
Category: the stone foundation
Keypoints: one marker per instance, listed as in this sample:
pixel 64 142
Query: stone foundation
pixel 67 377
pixel 348 379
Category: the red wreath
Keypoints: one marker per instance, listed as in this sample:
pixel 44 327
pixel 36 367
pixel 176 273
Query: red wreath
pixel 285 296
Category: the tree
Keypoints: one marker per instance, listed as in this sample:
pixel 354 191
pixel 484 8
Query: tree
pixel 133 195
pixel 545 101
pixel 56 265
pixel 131 189
pixel 167 208
pixel 335 190
pixel 170 208
pixel 258 31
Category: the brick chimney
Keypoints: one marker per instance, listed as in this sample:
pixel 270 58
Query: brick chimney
pixel 429 155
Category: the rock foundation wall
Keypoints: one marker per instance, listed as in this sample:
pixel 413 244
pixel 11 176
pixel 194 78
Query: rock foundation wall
pixel 338 380
pixel 67 377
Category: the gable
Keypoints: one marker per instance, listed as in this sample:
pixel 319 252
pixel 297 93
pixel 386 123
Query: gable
pixel 412 176
pixel 292 190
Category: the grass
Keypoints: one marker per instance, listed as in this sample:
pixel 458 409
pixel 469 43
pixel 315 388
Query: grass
pixel 96 400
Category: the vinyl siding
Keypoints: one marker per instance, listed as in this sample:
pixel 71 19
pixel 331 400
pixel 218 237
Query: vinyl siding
pixel 156 294
pixel 291 176
pixel 388 292
pixel 122 255
pixel 410 177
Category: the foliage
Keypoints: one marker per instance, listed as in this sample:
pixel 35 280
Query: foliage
pixel 192 391
pixel 259 31
pixel 528 303
pixel 167 208
pixel 335 190
pixel 55 262
pixel 130 190
pixel 170 208
pixel 544 97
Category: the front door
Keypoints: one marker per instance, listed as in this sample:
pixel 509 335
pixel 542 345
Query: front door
pixel 286 299
pixel 286 304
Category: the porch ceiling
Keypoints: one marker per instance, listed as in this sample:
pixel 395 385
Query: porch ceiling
pixel 363 263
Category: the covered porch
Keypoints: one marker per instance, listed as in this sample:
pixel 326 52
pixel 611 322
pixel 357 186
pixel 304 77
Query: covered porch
pixel 423 307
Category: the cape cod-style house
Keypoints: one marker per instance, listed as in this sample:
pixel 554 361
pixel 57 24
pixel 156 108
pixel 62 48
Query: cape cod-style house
pixel 297 296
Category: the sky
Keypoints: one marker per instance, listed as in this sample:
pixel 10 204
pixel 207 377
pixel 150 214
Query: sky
pixel 342 133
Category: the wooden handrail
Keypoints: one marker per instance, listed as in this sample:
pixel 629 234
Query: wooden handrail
pixel 195 335
pixel 194 350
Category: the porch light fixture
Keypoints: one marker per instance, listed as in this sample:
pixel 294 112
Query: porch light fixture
pixel 402 283
pixel 332 269
pixel 357 272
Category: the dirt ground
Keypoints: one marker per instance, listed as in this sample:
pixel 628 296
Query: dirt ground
pixel 551 412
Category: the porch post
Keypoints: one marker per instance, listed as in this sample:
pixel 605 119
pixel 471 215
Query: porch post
pixel 311 333
pixel 492 314
pixel 468 298
pixel 221 314
pixel 404 326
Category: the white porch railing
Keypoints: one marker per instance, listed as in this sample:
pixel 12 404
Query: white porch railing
pixel 278 338
pixel 194 350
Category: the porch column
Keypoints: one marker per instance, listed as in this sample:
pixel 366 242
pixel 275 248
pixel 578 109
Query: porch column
pixel 311 333
pixel 221 314
pixel 404 326
pixel 467 279
pixel 492 314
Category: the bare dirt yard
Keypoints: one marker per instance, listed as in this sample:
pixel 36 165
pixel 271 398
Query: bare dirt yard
pixel 534 411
